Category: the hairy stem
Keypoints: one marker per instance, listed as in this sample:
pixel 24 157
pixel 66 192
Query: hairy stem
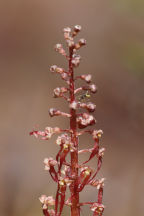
pixel 75 209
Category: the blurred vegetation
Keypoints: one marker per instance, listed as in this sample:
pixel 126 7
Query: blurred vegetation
pixel 133 6
pixel 133 57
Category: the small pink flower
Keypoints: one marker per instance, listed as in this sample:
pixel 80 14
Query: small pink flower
pixel 49 162
pixel 47 201
pixel 97 208
pixel 97 134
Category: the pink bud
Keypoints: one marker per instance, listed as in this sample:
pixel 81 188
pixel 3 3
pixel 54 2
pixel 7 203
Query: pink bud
pixel 85 120
pixel 81 43
pixel 53 68
pixel 59 48
pixel 54 112
pixel 93 88
pixel 76 60
pixel 89 106
pixel 58 92
pixel 87 77
pixel 77 28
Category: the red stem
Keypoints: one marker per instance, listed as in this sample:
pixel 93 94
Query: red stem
pixel 75 209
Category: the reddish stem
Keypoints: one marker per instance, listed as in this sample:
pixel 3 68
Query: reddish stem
pixel 75 209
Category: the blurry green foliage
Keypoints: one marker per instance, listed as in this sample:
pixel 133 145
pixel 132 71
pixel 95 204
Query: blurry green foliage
pixel 133 57
pixel 132 6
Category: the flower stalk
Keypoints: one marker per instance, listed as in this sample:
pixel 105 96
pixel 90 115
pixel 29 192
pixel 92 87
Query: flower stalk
pixel 71 174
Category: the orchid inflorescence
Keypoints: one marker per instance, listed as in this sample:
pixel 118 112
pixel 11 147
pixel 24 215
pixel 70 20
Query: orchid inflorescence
pixel 71 174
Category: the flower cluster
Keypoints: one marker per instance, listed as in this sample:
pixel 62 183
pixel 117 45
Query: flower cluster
pixel 70 174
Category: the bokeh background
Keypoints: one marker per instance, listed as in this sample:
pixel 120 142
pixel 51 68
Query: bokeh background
pixel 114 55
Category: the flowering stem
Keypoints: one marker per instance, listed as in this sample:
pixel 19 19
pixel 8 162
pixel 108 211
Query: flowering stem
pixel 75 210
pixel 71 174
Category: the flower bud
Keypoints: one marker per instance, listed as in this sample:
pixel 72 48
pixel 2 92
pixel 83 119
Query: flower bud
pixel 56 69
pixel 70 42
pixel 93 88
pixel 53 68
pixel 58 92
pixel 85 120
pixel 87 77
pixel 59 48
pixel 76 60
pixel 81 43
pixel 89 106
pixel 53 112
pixel 77 29
pixel 67 32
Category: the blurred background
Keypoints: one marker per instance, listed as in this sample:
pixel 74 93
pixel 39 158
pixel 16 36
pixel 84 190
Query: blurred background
pixel 114 55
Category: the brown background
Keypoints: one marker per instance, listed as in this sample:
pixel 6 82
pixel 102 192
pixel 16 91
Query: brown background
pixel 114 55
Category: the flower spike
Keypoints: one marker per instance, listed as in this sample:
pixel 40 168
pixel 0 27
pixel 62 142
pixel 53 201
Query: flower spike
pixel 65 169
